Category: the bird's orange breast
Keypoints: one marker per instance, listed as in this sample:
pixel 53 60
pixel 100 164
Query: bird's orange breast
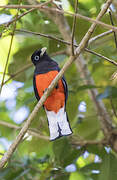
pixel 57 98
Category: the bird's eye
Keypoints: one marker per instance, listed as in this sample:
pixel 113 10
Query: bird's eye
pixel 36 58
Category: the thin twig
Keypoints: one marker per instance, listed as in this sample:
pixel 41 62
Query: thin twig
pixel 74 26
pixel 18 72
pixel 32 132
pixel 37 6
pixel 19 17
pixel 43 35
pixel 111 19
pixel 11 42
pixel 68 43
pixel 101 56
pixel 25 13
pixel 24 129
pixel 100 36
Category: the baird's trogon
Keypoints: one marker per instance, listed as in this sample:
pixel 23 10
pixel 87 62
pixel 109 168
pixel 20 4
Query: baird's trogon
pixel 55 105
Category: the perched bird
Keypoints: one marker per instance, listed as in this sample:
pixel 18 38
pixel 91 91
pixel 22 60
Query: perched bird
pixel 55 105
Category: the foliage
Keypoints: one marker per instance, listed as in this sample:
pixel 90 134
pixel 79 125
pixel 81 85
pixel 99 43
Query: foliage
pixel 36 158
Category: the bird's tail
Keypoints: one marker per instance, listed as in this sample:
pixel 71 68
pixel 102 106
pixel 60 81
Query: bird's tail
pixel 58 124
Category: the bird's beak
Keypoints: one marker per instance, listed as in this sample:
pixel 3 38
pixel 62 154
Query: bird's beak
pixel 43 50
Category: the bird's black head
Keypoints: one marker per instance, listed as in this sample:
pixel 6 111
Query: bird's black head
pixel 38 55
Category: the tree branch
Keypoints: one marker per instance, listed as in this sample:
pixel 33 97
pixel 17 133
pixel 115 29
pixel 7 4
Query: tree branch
pixel 101 56
pixel 37 6
pixel 111 19
pixel 100 36
pixel 20 16
pixel 74 26
pixel 18 72
pixel 32 132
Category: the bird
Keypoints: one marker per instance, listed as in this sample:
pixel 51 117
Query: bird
pixel 45 71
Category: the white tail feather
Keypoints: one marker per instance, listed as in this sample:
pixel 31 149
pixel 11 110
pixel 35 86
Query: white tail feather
pixel 58 124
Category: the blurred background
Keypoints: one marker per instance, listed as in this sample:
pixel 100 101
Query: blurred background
pixel 36 157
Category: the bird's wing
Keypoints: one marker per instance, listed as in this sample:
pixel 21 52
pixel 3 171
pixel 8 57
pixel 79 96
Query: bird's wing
pixel 35 89
pixel 65 88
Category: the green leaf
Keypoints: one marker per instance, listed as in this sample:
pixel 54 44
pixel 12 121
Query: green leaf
pixel 77 176
pixel 64 153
